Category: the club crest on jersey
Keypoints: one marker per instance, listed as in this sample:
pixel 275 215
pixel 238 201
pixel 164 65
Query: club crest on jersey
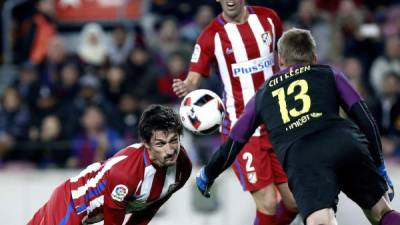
pixel 119 192
pixel 266 38
pixel 196 54
pixel 252 177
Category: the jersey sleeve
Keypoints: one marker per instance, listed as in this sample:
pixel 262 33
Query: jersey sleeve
pixel 203 53
pixel 119 187
pixel 358 111
pixel 347 93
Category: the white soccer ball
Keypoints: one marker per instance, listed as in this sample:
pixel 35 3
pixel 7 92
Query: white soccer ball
pixel 202 111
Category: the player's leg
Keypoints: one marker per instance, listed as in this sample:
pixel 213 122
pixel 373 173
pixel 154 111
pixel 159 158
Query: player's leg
pixel 381 213
pixel 322 217
pixel 287 207
pixel 310 164
pixel 266 201
pixel 253 170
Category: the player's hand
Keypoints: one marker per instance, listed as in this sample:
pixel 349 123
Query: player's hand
pixel 203 183
pixel 383 172
pixel 180 88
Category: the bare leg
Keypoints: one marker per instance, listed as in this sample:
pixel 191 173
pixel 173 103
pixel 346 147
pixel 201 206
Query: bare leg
pixel 322 217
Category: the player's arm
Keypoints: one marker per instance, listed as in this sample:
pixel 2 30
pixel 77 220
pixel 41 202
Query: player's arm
pixel 227 152
pixel 116 194
pixel 202 56
pixel 144 217
pixel 358 111
pixel 191 83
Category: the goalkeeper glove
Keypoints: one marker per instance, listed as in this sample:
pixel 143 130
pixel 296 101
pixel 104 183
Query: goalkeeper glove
pixel 203 183
pixel 383 172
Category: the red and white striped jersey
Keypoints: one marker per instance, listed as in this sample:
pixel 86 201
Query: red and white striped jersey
pixel 126 183
pixel 245 54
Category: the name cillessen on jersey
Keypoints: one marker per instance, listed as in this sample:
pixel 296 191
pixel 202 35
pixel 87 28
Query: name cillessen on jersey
pixel 275 80
pixel 252 66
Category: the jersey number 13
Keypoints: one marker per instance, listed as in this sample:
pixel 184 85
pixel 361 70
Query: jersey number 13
pixel 286 113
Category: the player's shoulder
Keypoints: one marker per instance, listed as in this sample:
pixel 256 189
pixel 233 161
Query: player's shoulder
pixel 133 153
pixel 132 161
pixel 263 11
pixel 324 69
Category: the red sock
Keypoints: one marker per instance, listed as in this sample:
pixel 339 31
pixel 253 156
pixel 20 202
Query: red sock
pixel 283 215
pixel 263 219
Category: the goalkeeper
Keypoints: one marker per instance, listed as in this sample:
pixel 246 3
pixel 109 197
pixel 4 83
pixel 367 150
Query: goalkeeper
pixel 321 152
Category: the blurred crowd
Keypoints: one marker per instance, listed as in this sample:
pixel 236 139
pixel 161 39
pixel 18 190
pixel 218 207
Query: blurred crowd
pixel 77 95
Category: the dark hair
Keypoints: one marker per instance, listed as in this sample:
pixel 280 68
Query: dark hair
pixel 158 117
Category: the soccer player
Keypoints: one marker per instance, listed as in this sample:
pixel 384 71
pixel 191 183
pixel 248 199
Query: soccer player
pixel 242 40
pixel 321 152
pixel 137 180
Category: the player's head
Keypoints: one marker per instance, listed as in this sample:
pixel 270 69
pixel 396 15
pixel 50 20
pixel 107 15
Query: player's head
pixel 160 129
pixel 232 9
pixel 297 46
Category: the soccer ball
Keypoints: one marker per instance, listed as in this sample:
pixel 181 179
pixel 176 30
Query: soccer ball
pixel 202 111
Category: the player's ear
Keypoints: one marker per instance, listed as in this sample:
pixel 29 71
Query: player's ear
pixel 281 60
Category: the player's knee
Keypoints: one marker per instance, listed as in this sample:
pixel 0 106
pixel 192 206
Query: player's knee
pixel 322 217
pixel 267 204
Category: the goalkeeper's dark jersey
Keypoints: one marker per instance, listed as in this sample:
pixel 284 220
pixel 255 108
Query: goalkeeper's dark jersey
pixel 298 101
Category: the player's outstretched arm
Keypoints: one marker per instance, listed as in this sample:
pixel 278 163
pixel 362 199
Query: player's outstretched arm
pixel 220 161
pixel 226 154
pixel 361 115
pixel 191 83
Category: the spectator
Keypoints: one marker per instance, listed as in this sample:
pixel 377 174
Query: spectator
pixel 390 61
pixel 88 94
pixel 167 41
pixel 92 50
pixel 120 45
pixel 176 69
pixel 191 30
pixel 114 84
pixel 67 86
pixel 27 83
pixel 44 105
pixel 50 68
pixel 34 28
pixel 129 111
pixel 95 141
pixel 387 113
pixel 50 148
pixel 309 17
pixel 141 73
pixel 14 119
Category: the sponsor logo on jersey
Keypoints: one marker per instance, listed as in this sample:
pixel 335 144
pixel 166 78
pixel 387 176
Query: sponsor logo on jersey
pixel 252 66
pixel 196 54
pixel 119 192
